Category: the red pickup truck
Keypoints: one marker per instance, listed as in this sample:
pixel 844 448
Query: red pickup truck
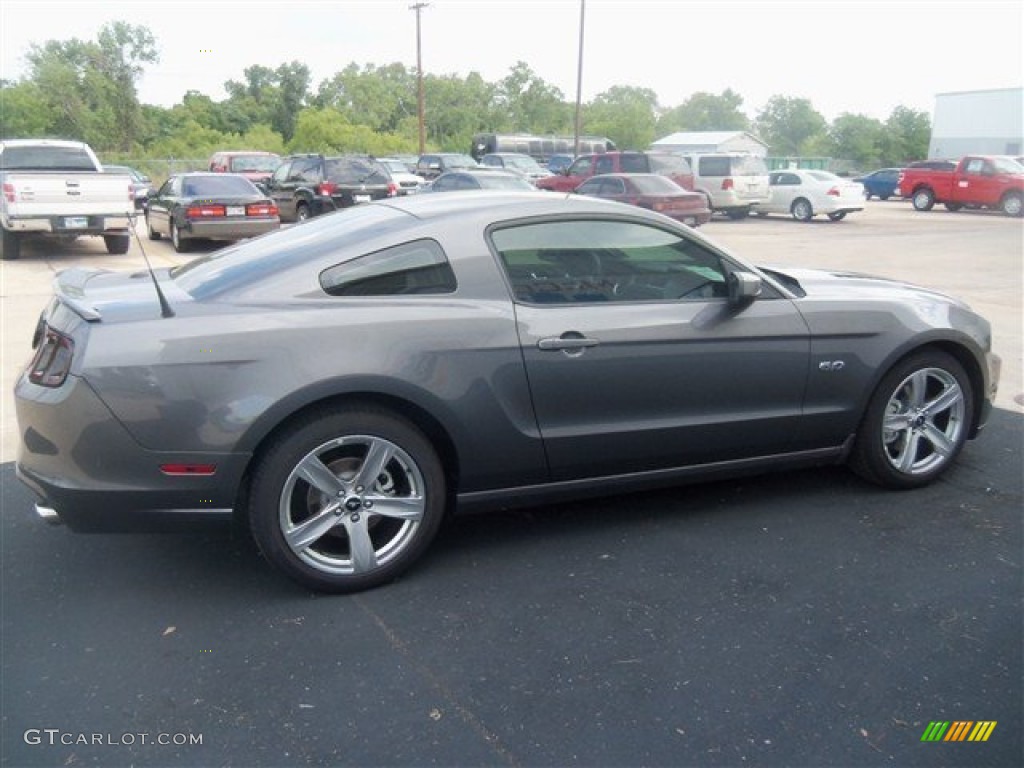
pixel 585 166
pixel 977 181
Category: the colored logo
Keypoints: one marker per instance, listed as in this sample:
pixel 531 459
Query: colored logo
pixel 958 730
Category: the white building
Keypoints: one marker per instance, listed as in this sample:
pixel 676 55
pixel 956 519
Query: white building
pixel 712 141
pixel 978 122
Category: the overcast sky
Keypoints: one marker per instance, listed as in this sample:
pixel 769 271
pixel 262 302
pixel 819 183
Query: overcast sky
pixel 863 57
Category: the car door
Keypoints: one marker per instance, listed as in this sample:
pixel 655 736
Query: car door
pixel 784 187
pixel 158 209
pixel 279 192
pixel 636 359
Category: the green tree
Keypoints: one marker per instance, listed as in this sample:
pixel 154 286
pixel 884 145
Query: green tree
pixel 271 96
pixel 706 112
pixel 531 104
pixel 858 139
pixel 124 49
pixel 380 97
pixel 790 125
pixel 625 114
pixel 907 135
pixel 24 111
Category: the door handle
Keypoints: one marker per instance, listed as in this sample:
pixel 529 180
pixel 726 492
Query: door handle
pixel 567 342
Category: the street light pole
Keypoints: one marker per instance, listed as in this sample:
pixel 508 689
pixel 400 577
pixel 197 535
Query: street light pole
pixel 579 83
pixel 419 73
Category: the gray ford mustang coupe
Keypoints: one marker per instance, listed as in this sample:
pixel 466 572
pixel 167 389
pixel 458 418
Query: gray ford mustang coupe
pixel 342 384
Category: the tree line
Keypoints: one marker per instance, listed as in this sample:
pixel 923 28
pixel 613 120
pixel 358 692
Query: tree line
pixel 87 90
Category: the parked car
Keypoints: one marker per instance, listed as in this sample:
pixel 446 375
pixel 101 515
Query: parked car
pixel 208 206
pixel 479 178
pixel 558 163
pixel 649 190
pixel 882 183
pixel 513 161
pixel 344 384
pixel 432 166
pixel 806 194
pixel 310 185
pixel 977 181
pixel 664 163
pixel 142 185
pixel 57 189
pixel 733 183
pixel 256 166
pixel 407 181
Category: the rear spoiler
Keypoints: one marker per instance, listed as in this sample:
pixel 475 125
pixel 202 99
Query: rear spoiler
pixel 69 288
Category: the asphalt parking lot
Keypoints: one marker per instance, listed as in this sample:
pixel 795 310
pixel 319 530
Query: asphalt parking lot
pixel 801 619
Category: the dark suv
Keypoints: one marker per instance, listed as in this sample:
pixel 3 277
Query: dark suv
pixel 308 185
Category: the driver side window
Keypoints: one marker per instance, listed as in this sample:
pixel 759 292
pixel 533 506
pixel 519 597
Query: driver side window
pixel 568 262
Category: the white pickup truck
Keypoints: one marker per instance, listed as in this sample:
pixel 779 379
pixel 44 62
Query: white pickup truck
pixel 58 188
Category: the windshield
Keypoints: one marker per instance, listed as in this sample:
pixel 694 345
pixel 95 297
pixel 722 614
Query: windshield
pixel 242 163
pixel 1006 165
pixel 823 176
pixel 656 185
pixel 355 170
pixel 395 166
pixel 218 185
pixel 748 165
pixel 46 158
pixel 459 161
pixel 522 162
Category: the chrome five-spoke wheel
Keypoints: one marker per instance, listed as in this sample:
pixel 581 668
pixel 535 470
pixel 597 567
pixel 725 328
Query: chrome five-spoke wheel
pixel 916 423
pixel 347 499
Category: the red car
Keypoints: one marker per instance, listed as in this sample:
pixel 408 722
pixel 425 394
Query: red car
pixel 649 190
pixel 976 181
pixel 667 164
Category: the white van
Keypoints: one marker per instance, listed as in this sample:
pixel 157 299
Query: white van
pixel 732 182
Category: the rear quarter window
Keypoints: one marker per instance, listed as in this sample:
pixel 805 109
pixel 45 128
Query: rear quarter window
pixel 419 267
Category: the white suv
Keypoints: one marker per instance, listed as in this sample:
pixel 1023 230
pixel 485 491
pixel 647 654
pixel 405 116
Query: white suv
pixel 733 183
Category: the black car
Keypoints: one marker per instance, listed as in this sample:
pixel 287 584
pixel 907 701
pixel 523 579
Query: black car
pixel 309 185
pixel 209 206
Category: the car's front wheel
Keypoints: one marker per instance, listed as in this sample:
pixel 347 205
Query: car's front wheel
pixel 837 216
pixel 916 422
pixel 347 498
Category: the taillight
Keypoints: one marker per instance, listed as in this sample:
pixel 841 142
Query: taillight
pixel 727 183
pixel 261 209
pixel 326 188
pixel 660 206
pixel 834 192
pixel 205 211
pixel 52 362
pixel 131 193
pixel 9 193
pixel 392 189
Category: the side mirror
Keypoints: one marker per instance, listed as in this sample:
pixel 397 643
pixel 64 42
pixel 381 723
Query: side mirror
pixel 744 287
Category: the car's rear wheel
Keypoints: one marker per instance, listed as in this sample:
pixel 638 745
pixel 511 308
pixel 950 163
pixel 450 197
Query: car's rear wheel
pixel 923 200
pixel 916 422
pixel 181 244
pixel 738 214
pixel 954 207
pixel 347 498
pixel 802 210
pixel 837 216
pixel 301 212
pixel 1011 204
pixel 883 197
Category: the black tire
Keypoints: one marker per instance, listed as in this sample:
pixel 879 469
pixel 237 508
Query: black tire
pixel 883 197
pixel 954 207
pixel 1011 204
pixel 312 471
pixel 153 234
pixel 916 422
pixel 867 195
pixel 301 212
pixel 923 199
pixel 117 244
pixel 802 209
pixel 181 244
pixel 11 246
pixel 837 216
pixel 738 214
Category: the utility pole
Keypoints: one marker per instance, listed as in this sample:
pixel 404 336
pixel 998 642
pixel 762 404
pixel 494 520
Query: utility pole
pixel 579 83
pixel 419 72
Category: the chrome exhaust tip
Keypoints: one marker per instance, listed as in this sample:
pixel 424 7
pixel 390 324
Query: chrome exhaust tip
pixel 48 514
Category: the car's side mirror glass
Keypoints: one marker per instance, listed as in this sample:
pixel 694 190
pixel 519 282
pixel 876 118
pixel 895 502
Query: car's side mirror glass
pixel 744 287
